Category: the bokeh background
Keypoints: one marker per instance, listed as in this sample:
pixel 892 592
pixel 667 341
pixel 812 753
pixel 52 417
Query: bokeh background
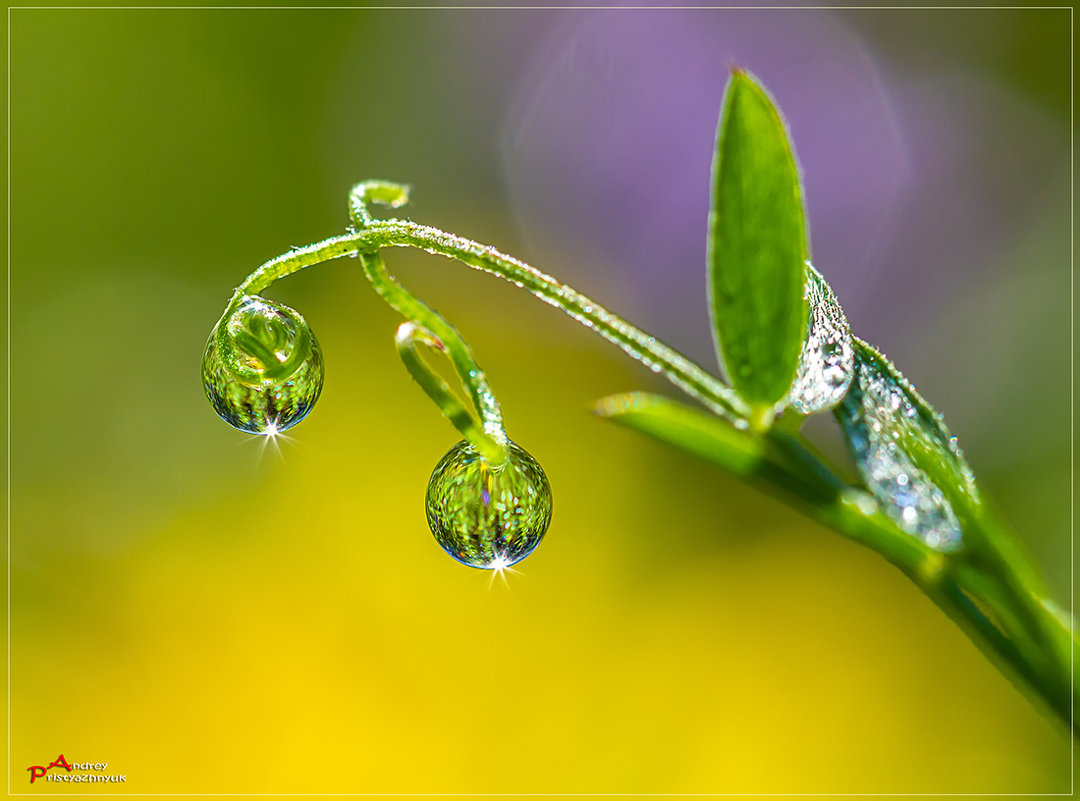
pixel 209 615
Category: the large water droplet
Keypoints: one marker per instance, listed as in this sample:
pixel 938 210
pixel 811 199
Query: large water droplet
pixel 826 364
pixel 270 372
pixel 904 453
pixel 484 516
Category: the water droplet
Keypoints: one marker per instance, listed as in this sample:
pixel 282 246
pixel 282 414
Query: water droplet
pixel 898 443
pixel 270 372
pixel 484 516
pixel 827 360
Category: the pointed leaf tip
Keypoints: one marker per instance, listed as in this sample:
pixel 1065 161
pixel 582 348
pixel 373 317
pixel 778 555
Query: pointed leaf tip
pixel 757 245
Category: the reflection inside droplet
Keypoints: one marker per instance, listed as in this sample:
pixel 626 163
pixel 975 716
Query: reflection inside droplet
pixel 890 439
pixel 271 373
pixel 827 359
pixel 484 516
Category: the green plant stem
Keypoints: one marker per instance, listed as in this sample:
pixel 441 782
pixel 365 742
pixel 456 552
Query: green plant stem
pixel 1001 607
pixel 644 347
pixel 1005 617
pixel 409 335
pixel 429 328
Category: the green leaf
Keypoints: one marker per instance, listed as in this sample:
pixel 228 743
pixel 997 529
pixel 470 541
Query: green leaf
pixel 775 463
pixel 906 455
pixel 987 595
pixel 761 459
pixel 757 246
pixel 687 429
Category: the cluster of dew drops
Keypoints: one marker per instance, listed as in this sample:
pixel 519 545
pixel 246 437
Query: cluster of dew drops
pixel 267 378
pixel 270 373
pixel 883 419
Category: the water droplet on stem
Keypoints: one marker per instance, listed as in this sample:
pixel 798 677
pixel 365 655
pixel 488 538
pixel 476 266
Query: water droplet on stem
pixel 484 516
pixel 271 371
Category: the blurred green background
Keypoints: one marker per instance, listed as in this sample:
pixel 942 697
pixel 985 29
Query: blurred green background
pixel 208 615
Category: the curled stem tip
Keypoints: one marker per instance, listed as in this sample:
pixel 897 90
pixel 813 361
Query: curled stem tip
pixel 385 193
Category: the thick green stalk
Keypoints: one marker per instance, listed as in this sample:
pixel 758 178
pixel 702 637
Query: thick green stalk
pixel 1006 617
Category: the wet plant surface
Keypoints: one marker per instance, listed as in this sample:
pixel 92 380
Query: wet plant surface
pixel 785 345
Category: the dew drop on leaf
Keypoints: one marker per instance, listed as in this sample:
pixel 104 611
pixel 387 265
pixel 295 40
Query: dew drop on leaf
pixel 904 453
pixel 270 372
pixel 484 516
pixel 826 364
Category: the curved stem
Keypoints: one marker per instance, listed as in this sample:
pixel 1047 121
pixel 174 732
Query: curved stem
pixel 642 346
pixel 445 337
pixel 376 234
pixel 1014 627
pixel 385 193
pixel 409 335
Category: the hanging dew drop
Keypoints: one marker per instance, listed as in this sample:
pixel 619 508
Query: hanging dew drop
pixel 484 516
pixel 826 364
pixel 270 372
pixel 904 453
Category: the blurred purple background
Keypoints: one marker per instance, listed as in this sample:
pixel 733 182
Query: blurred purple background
pixel 677 631
pixel 937 199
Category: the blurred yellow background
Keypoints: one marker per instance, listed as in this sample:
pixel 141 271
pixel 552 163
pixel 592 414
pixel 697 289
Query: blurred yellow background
pixel 209 615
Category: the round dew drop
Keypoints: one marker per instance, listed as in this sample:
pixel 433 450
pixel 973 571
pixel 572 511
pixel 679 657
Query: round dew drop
pixel 484 516
pixel 272 373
